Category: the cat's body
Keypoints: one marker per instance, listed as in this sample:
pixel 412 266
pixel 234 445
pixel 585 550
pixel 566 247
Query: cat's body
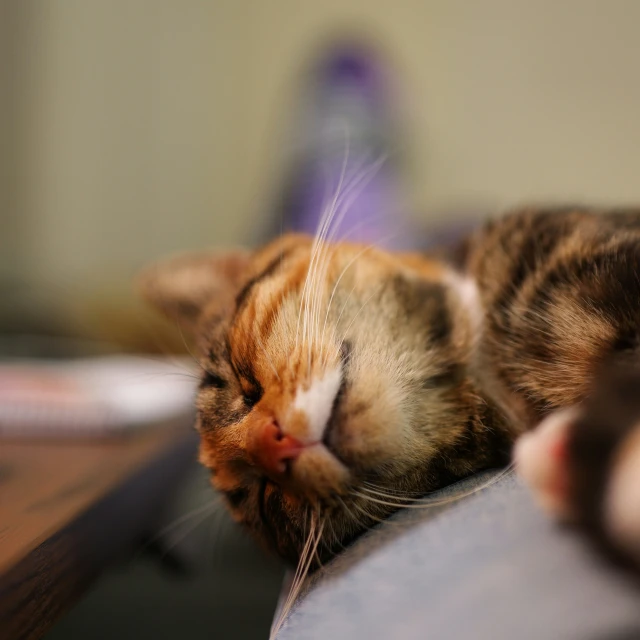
pixel 343 381
pixel 560 296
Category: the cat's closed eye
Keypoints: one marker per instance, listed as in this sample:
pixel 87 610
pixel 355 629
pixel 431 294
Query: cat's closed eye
pixel 252 394
pixel 213 380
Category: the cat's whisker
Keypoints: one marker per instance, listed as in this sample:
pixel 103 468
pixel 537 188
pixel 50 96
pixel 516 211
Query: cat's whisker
pixel 427 502
pixel 314 539
pixel 298 576
pixel 189 531
pixel 316 555
pixel 344 198
pixel 368 515
pixel 395 493
pixel 387 494
pixel 325 223
pixel 325 220
pixel 399 499
pixel 337 282
pixel 301 562
pixel 349 196
pixel 174 361
pixel 337 322
pixel 318 290
pixel 154 375
pixel 334 535
pixel 364 304
pixel 208 509
pixel 344 306
pixel 298 324
pixel 308 538
pixel 389 502
pixel 363 223
pixel 358 521
pixel 210 506
pixel 358 255
pixel 357 186
pixel 329 231
pixel 151 330
pixel 316 293
pixel 183 374
pixel 328 227
pixel 338 211
pixel 186 346
pixel 321 232
pixel 218 524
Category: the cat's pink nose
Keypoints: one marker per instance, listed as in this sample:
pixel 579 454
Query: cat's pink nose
pixel 271 449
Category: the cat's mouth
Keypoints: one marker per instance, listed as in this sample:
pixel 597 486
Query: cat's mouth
pixel 332 431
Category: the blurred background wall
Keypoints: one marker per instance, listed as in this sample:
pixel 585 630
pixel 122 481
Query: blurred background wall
pixel 133 128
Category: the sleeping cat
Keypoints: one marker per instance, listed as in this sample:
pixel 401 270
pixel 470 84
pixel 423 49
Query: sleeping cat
pixel 341 382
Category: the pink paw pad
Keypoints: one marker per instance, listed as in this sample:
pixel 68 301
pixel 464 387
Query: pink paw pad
pixel 541 461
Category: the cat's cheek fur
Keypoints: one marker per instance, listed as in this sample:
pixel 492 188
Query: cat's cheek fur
pixel 318 469
pixel 373 425
pixel 540 458
pixel 622 498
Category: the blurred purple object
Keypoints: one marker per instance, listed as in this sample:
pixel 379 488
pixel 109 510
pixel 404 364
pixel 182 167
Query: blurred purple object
pixel 345 154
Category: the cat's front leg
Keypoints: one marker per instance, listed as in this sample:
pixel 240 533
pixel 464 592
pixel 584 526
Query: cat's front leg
pixel 583 464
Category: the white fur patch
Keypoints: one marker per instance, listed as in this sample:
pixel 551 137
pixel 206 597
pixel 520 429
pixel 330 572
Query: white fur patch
pixel 316 403
pixel 622 503
pixel 467 291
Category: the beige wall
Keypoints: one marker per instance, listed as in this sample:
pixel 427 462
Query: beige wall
pixel 135 133
pixel 509 99
pixel 11 94
pixel 153 126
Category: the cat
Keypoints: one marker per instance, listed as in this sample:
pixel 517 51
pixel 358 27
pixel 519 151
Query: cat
pixel 341 382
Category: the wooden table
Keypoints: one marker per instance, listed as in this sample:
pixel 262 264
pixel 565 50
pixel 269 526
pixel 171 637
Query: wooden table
pixel 67 510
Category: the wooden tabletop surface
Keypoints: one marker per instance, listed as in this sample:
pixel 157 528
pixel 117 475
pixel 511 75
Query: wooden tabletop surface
pixel 68 509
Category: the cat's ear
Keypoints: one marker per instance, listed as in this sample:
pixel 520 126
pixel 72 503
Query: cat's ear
pixel 181 287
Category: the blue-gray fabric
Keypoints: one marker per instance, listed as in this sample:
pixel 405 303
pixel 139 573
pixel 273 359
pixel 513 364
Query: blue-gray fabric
pixel 489 565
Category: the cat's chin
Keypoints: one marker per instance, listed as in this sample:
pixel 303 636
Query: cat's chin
pixel 317 472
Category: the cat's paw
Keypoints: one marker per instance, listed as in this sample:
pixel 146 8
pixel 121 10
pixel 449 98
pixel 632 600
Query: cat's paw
pixel 622 500
pixel 583 464
pixel 541 461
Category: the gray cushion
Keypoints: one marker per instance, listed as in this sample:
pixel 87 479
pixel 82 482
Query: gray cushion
pixel 490 565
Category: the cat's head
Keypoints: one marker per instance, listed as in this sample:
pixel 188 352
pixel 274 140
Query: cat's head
pixel 334 386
